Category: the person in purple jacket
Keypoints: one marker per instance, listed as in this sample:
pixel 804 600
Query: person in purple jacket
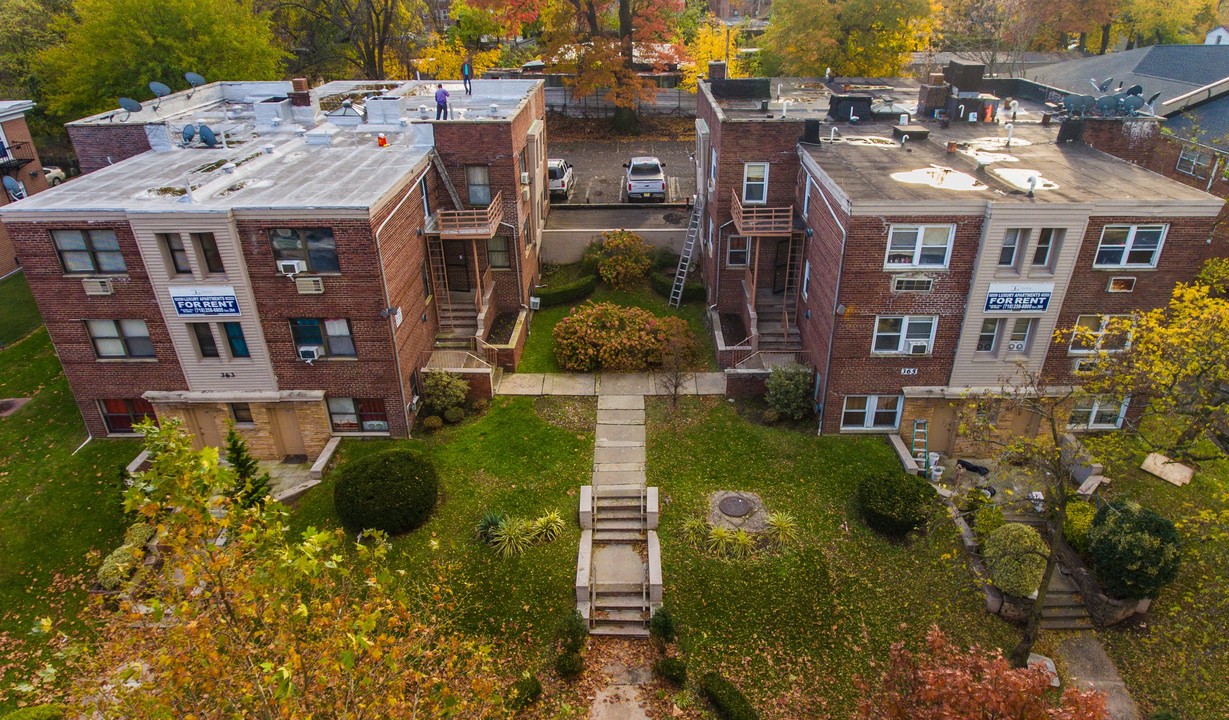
pixel 441 102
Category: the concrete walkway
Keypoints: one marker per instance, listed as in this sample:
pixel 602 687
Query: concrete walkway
pixel 589 384
pixel 1089 668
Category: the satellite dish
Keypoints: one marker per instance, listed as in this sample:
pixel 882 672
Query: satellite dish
pixel 1152 103
pixel 189 133
pixel 207 136
pixel 1107 105
pixel 1073 103
pixel 1132 103
pixel 129 106
pixel 1090 102
pixel 1105 85
pixel 159 89
pixel 1135 90
pixel 194 79
pixel 14 188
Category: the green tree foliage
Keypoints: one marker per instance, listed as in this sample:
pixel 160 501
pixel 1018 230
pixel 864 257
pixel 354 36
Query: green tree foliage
pixel 1077 524
pixel 442 391
pixel 1016 558
pixel 363 38
pixel 868 38
pixel 26 27
pixel 393 491
pixel 251 485
pixel 1135 552
pixel 114 48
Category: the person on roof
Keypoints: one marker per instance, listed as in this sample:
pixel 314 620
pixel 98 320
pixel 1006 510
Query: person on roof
pixel 467 72
pixel 441 102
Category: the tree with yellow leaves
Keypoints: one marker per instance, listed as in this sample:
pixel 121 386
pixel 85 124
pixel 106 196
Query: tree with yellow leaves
pixel 856 38
pixel 711 42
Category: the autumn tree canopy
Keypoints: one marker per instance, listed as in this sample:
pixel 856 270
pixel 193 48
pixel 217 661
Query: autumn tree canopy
pixel 867 38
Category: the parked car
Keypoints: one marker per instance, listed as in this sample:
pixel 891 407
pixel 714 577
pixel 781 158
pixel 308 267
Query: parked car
pixel 54 175
pixel 646 179
pixel 559 173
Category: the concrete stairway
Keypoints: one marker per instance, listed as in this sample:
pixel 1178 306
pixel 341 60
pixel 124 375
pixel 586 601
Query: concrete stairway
pixel 770 308
pixel 458 321
pixel 1064 608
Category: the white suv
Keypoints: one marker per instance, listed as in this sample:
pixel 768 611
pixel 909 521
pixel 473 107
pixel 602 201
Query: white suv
pixel 560 174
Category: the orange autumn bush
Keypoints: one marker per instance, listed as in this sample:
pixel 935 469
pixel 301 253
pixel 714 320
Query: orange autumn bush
pixel 626 258
pixel 614 338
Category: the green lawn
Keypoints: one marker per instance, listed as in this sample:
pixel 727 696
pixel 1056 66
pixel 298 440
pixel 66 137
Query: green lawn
pixel 513 460
pixel 18 313
pixel 539 356
pixel 795 628
pixel 55 507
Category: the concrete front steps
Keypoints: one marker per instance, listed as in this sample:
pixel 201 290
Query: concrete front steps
pixel 1064 608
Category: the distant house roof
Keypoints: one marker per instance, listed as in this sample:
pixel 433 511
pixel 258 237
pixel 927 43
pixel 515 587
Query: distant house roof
pixel 1007 62
pixel 14 107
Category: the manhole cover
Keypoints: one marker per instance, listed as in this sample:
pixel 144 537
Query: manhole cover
pixel 734 506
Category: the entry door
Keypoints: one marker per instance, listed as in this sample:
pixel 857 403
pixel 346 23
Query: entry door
pixel 202 422
pixel 286 431
pixel 780 266
pixel 456 262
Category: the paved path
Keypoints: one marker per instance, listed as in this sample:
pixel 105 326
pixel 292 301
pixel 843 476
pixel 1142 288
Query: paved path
pixel 1089 668
pixel 589 384
pixel 620 699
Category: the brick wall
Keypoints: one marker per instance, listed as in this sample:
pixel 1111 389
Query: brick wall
pixel 1132 139
pixel 98 146
pixel 31 176
pixel 8 253
pixel 823 252
pixel 65 307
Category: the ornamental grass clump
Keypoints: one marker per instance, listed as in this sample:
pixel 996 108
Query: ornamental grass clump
pixel 614 338
pixel 782 530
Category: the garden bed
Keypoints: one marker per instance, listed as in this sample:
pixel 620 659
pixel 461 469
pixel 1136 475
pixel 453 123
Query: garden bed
pixel 501 328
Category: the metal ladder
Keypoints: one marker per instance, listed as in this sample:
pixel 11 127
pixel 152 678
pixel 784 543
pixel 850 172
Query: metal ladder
pixel 439 282
pixel 921 444
pixel 693 231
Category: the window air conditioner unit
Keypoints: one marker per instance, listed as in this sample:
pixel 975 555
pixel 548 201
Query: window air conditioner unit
pixel 97 286
pixel 376 426
pixel 919 348
pixel 309 285
pixel 1015 346
pixel 310 353
pixel 290 268
pixel 525 193
pixel 524 178
pixel 535 303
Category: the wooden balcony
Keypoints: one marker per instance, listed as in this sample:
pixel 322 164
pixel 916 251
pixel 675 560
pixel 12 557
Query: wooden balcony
pixel 759 220
pixel 478 224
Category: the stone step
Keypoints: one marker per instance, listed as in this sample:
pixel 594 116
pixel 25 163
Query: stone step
pixel 621 617
pixel 619 630
pixel 620 417
pixel 618 490
pixel 618 537
pixel 1067 624
pixel 619 467
pixel 1062 599
pixel 621 513
pixel 618 477
pixel 629 601
pixel 1064 612
pixel 626 502
pixel 603 523
pixel 619 433
pixel 606 589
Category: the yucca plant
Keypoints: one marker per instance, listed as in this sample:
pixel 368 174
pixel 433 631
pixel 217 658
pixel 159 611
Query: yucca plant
pixel 782 529
pixel 548 527
pixel 743 545
pixel 719 540
pixel 695 531
pixel 485 529
pixel 511 537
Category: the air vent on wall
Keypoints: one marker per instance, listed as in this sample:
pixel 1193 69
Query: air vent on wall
pixel 917 285
pixel 309 285
pixel 1121 285
pixel 98 286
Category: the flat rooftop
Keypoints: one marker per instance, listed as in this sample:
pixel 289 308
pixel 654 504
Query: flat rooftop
pixel 809 98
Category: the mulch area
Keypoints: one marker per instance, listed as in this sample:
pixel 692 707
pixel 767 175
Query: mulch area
pixel 501 329
pixel 732 328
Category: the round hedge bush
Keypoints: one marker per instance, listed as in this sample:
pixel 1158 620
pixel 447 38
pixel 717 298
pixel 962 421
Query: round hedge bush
pixel 1077 521
pixel 894 503
pixel 1016 558
pixel 1134 551
pixel 394 491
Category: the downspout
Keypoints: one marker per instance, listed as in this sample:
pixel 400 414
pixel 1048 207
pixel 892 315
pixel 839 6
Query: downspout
pixel 392 318
pixel 717 265
pixel 840 270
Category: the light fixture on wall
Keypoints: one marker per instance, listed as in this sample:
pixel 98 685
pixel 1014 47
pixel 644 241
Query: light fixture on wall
pixel 810 232
pixel 389 311
pixel 840 309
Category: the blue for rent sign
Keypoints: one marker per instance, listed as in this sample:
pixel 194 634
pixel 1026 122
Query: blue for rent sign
pixel 1019 297
pixel 205 301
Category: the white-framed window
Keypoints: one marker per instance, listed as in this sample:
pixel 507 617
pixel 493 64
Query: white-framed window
pixel 988 336
pixel 806 278
pixel 1098 414
pixel 871 412
pixel 708 240
pixel 911 246
pixel 426 198
pixel 712 170
pixel 1194 162
pixel 755 183
pixel 1130 245
pixel 120 339
pixel 316 247
pixel 1092 335
pixel 357 415
pixel 1046 249
pixel 331 334
pixel 206 342
pixel 478 184
pixel 806 197
pixel 1021 334
pixel 211 256
pixel 241 413
pixel 89 251
pixel 737 251
pixel 1013 246
pixel 176 253
pixel 909 334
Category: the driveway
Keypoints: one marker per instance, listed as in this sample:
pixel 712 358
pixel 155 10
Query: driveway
pixel 598 167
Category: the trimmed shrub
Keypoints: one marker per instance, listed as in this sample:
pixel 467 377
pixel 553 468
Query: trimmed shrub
pixel 1016 558
pixel 727 699
pixel 614 338
pixel 37 712
pixel 139 534
pixel 568 292
pixel 442 390
pixel 987 519
pixel 770 416
pixel 454 414
pixel 548 527
pixel 1134 551
pixel 485 529
pixel 662 283
pixel 431 423
pixel 119 566
pixel 572 632
pixel 662 627
pixel 1077 521
pixel 672 670
pixel 524 692
pixel 394 491
pixel 782 529
pixel 569 665
pixel 893 502
pixel 626 258
pixel 789 391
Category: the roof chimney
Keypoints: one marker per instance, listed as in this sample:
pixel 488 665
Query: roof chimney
pixel 716 70
pixel 300 94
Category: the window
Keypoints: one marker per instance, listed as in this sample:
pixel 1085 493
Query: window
pixel 736 251
pixel 1013 244
pixel 806 198
pixel 1097 414
pixel 355 415
pixel 755 183
pixel 426 197
pixel 426 281
pixel 1193 161
pixel 1044 251
pixel 205 342
pixel 806 278
pixel 120 338
pixel 332 335
pixel 497 252
pixel 1129 245
pixel 89 251
pixel 1121 285
pixel 988 338
pixel 1092 335
pixel 1021 333
pixel 919 245
pixel 314 246
pixel 208 245
pixel 178 256
pixel 907 334
pixel 920 285
pixel 120 415
pixel 235 340
pixel 880 412
pixel 242 413
pixel 478 182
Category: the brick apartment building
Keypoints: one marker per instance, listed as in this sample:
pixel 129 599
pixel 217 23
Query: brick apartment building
pixel 910 264
pixel 288 259
pixel 19 162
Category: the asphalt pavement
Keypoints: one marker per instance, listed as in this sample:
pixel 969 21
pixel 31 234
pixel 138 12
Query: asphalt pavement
pixel 597 167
